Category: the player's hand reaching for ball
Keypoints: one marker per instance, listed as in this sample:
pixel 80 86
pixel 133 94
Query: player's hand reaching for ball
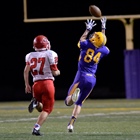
pixel 90 24
pixel 103 21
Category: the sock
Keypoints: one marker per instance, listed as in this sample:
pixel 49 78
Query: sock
pixel 37 126
pixel 72 120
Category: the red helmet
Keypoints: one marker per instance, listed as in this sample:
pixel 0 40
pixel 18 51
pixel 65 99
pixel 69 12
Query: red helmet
pixel 41 42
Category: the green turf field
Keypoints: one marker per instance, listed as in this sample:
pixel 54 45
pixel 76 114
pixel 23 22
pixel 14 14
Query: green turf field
pixel 99 120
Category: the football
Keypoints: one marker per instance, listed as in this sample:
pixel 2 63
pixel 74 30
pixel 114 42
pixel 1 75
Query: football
pixel 95 11
pixel 39 107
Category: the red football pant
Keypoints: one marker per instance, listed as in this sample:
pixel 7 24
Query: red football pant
pixel 44 92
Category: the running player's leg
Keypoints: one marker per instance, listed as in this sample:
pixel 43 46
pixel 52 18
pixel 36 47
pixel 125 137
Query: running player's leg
pixel 47 95
pixel 73 92
pixel 85 87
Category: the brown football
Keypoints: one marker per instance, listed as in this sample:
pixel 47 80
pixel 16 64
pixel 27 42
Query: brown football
pixel 95 11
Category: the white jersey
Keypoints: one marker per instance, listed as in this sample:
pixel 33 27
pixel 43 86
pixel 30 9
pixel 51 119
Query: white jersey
pixel 40 64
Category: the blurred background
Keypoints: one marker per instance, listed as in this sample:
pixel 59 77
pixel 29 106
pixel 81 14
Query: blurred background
pixel 17 40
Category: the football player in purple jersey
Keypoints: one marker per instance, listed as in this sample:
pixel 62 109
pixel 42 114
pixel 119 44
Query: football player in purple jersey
pixel 92 50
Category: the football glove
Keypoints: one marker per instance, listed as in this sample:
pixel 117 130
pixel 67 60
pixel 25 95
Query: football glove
pixel 90 24
pixel 103 21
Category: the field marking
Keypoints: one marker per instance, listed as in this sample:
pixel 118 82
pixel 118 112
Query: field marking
pixel 104 109
pixel 87 115
pixel 3 108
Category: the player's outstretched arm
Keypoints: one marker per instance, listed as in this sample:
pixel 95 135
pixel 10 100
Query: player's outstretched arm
pixel 103 26
pixel 89 25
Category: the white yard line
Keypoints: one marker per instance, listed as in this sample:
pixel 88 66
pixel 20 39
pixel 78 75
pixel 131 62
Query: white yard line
pixel 87 115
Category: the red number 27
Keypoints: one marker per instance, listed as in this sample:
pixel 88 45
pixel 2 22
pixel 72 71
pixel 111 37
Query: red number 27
pixel 33 67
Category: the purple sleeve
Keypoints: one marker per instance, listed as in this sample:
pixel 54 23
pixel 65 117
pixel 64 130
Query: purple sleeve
pixel 83 44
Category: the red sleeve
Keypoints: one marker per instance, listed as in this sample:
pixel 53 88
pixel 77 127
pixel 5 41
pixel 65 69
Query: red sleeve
pixel 53 67
pixel 27 63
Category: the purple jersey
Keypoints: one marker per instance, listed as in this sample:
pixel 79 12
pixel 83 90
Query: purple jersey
pixel 85 78
pixel 90 56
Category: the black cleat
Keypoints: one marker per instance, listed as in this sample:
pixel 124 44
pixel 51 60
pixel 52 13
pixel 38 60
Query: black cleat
pixel 32 105
pixel 36 132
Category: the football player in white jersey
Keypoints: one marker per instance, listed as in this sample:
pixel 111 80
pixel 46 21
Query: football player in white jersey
pixel 42 64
